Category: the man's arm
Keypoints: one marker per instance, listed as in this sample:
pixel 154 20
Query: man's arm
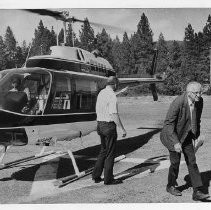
pixel 113 111
pixel 170 123
pixel 118 122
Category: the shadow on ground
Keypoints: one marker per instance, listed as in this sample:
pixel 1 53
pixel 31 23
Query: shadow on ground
pixel 62 166
pixel 206 178
pixel 124 146
pixel 150 164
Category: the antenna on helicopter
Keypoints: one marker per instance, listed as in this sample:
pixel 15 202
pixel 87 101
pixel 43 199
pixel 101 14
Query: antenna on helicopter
pixel 71 20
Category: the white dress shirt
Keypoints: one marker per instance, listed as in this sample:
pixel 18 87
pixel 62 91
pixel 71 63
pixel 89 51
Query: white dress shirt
pixel 106 104
pixel 191 105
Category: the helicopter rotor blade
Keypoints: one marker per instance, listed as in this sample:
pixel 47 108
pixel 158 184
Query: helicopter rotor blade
pixel 73 19
pixel 60 16
pixel 45 12
pixel 110 27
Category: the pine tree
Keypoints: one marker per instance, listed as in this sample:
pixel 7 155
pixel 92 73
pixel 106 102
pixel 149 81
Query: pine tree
pixel 189 55
pixel 117 55
pixel 162 60
pixel 144 30
pixel 189 41
pixel 127 60
pixel 10 48
pixel 193 66
pixel 142 46
pixel 207 32
pixel 175 55
pixel 104 45
pixel 37 41
pixel 9 40
pixel 174 84
pixel 87 37
pixel 134 52
pixel 43 40
pixel 53 38
pixel 2 54
pixel 61 36
pixel 19 57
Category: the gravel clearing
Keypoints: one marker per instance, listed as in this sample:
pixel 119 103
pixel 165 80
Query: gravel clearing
pixel 144 170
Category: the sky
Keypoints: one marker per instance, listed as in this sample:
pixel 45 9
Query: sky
pixel 165 18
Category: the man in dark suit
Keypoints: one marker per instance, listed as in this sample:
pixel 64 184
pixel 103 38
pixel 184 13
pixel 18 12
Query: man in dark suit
pixel 181 126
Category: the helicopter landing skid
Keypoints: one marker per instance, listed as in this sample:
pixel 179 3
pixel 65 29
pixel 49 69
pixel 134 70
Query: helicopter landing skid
pixel 66 180
pixel 42 153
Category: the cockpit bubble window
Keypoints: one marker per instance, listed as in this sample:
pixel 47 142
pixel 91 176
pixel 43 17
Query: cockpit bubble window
pixel 24 91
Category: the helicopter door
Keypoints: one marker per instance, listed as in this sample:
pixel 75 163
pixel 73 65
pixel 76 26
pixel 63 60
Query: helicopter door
pixel 62 102
pixel 86 93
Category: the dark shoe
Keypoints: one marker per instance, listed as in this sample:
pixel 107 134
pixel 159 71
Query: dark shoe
pixel 114 181
pixel 172 190
pixel 199 196
pixel 97 180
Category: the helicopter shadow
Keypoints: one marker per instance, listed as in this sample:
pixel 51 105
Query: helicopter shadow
pixel 123 147
pixel 85 158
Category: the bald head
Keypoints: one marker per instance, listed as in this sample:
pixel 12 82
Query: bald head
pixel 113 82
pixel 194 91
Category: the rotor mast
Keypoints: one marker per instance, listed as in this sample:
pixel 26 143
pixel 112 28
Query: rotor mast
pixel 70 20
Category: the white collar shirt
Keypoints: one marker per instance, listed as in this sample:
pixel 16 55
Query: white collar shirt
pixel 106 104
pixel 191 105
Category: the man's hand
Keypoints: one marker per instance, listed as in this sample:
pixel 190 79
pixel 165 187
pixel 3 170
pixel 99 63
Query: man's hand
pixel 198 142
pixel 124 133
pixel 178 147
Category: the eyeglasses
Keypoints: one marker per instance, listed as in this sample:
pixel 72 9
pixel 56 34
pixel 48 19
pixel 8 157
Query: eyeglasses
pixel 196 93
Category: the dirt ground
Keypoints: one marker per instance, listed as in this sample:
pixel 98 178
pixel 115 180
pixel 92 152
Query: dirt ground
pixel 144 169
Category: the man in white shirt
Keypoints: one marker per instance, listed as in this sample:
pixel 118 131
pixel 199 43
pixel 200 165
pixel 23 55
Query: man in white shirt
pixel 107 120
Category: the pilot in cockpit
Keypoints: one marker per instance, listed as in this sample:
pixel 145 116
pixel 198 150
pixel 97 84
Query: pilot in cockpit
pixel 15 99
pixel 16 84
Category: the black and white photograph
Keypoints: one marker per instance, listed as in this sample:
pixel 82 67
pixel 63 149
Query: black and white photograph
pixel 105 103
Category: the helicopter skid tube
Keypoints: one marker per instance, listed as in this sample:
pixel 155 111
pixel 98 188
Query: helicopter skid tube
pixel 22 160
pixel 66 180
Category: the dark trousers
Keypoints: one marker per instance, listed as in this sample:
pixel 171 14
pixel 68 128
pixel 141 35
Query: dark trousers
pixel 108 136
pixel 190 160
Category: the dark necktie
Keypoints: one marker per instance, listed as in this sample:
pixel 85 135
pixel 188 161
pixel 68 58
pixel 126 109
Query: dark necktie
pixel 193 120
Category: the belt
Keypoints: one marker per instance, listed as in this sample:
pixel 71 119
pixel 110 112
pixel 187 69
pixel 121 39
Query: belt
pixel 105 122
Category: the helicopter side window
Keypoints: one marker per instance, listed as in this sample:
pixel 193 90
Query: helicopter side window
pixel 85 94
pixel 62 95
pixel 78 55
pixel 82 55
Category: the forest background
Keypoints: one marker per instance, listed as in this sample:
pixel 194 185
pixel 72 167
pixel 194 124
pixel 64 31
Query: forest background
pixel 130 56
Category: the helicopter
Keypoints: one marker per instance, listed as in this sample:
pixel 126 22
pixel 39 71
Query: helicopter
pixel 57 97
